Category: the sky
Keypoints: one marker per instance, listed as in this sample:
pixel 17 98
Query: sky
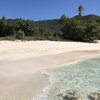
pixel 46 9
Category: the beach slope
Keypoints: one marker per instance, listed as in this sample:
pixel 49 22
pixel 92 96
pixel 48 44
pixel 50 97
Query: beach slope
pixel 21 64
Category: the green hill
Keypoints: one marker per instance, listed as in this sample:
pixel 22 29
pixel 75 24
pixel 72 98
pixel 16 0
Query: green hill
pixel 87 18
pixel 52 25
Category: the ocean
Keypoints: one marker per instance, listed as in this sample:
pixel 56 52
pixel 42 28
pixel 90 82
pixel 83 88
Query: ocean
pixel 82 77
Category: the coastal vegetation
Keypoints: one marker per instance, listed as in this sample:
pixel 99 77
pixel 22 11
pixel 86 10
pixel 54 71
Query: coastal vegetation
pixel 78 28
pixel 23 29
pixel 81 28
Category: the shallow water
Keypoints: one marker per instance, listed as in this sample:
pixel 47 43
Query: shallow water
pixel 83 77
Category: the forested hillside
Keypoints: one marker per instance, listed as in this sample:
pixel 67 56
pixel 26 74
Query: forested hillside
pixel 52 25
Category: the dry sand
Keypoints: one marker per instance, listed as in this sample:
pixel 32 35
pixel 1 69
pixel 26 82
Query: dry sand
pixel 22 62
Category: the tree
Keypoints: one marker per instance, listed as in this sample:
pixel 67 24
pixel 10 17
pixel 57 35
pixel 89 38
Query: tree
pixel 92 31
pixel 20 34
pixel 63 20
pixel 81 31
pixel 80 10
pixel 3 18
pixel 73 30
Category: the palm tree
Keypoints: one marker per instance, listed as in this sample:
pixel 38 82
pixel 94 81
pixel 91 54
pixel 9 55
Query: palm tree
pixel 80 10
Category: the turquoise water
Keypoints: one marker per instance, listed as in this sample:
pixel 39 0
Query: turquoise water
pixel 83 77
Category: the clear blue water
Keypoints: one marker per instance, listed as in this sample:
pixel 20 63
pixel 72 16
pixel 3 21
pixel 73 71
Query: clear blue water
pixel 83 77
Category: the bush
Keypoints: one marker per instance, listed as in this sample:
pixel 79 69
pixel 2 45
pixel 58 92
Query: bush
pixel 91 32
pixel 20 34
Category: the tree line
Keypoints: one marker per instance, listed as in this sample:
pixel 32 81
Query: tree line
pixel 24 29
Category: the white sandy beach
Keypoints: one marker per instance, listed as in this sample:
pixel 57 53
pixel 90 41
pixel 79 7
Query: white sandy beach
pixel 21 64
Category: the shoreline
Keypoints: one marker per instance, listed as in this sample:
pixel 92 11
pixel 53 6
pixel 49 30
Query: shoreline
pixel 20 71
pixel 83 58
pixel 74 61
